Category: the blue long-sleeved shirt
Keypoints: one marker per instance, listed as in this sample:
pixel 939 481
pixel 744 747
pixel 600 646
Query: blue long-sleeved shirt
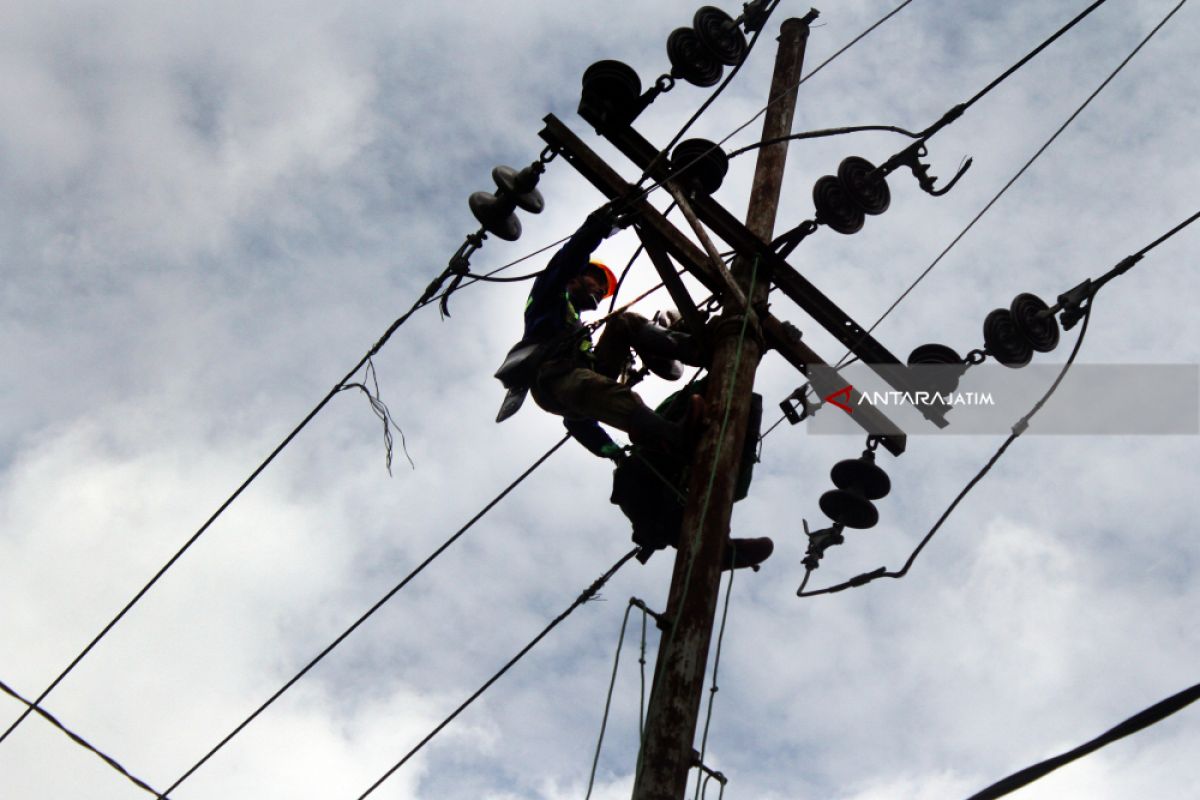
pixel 550 313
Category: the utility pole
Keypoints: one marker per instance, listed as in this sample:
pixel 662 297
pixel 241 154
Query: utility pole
pixel 667 754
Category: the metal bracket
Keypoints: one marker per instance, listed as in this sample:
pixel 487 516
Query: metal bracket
pixel 911 157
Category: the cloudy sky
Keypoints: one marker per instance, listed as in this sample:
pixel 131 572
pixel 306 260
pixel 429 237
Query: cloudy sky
pixel 210 211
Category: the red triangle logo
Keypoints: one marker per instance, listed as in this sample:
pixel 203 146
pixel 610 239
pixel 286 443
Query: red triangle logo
pixel 843 393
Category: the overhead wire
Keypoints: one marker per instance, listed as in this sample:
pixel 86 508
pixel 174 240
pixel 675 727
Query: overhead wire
pixel 777 98
pixel 32 705
pixel 430 296
pixel 711 97
pixel 817 69
pixel 79 740
pixel 1087 292
pixel 987 207
pixel 1143 719
pixel 1018 429
pixel 822 133
pixel 588 594
pixel 365 616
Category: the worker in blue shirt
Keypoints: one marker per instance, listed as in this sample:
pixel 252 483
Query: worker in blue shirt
pixel 579 380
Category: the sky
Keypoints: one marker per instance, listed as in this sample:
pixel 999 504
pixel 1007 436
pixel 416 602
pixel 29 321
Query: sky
pixel 208 214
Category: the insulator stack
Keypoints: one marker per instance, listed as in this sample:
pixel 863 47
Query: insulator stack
pixel 858 481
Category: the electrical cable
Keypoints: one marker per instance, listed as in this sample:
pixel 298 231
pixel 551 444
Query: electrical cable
pixel 776 98
pixel 641 246
pixel 818 68
pixel 365 615
pixel 1084 293
pixel 430 296
pixel 213 518
pixel 712 692
pixel 587 594
pixel 79 740
pixel 1032 54
pixel 711 98
pixel 642 689
pixel 1143 719
pixel 821 133
pixel 612 684
pixel 1021 171
pixel 1018 429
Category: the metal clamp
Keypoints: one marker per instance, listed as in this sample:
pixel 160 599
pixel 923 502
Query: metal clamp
pixel 911 157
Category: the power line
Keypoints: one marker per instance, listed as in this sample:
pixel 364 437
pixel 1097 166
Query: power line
pixel 1143 719
pixel 430 295
pixel 1018 429
pixel 1027 164
pixel 79 740
pixel 818 68
pixel 1085 293
pixel 584 597
pixel 785 92
pixel 823 133
pixel 220 510
pixel 363 618
pixel 712 97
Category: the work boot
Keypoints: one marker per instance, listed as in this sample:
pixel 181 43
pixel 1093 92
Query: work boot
pixel 662 350
pixel 741 553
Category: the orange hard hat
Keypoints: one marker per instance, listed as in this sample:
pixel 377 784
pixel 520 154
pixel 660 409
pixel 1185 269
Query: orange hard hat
pixel 610 279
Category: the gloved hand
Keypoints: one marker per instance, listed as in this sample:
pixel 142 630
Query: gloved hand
pixel 602 217
pixel 613 451
pixel 607 218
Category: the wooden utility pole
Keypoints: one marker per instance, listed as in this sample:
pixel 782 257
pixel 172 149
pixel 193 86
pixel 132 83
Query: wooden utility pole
pixel 667 755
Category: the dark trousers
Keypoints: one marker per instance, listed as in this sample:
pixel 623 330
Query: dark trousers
pixel 575 386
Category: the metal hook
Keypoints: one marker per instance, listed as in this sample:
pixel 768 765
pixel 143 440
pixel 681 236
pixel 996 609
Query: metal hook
pixel 911 157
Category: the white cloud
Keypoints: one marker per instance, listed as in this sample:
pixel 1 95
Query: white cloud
pixel 208 213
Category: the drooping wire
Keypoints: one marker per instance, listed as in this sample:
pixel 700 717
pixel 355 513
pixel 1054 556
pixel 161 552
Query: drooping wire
pixel 338 387
pixel 642 688
pixel 712 692
pixel 821 133
pixel 490 276
pixel 842 361
pixel 708 776
pixel 1086 298
pixel 381 410
pixel 367 614
pixel 612 684
pixel 587 594
pixel 79 740
pixel 1018 429
pixel 1143 719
